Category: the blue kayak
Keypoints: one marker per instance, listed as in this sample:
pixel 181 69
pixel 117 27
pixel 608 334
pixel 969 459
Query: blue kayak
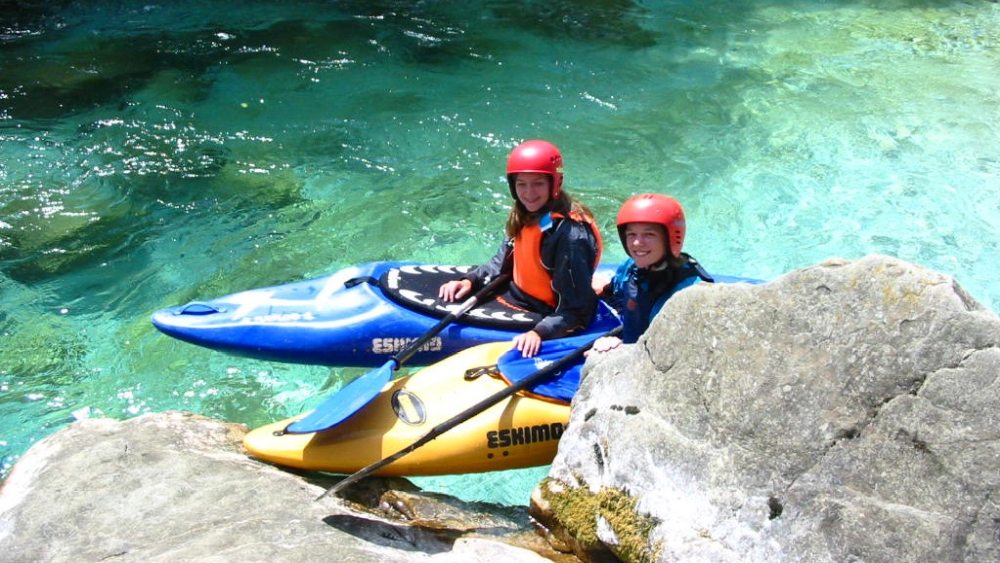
pixel 359 316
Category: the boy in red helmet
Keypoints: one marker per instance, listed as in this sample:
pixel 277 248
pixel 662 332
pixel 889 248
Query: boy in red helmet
pixel 551 250
pixel 651 228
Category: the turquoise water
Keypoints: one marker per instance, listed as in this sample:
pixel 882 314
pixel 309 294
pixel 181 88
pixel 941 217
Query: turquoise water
pixel 155 153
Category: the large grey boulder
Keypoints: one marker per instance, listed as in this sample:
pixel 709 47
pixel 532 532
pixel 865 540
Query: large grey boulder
pixel 845 412
pixel 177 487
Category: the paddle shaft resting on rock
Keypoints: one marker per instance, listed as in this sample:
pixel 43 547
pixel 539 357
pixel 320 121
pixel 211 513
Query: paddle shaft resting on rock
pixel 358 393
pixel 549 370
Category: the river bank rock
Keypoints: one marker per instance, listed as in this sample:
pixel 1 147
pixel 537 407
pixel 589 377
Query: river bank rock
pixel 178 487
pixel 848 411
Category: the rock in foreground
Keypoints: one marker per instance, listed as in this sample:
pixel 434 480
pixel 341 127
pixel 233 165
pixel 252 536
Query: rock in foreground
pixel 177 487
pixel 845 412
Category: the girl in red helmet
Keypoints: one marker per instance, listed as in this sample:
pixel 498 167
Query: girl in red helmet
pixel 551 250
pixel 651 228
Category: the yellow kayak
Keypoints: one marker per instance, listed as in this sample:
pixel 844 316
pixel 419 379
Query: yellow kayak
pixel 520 431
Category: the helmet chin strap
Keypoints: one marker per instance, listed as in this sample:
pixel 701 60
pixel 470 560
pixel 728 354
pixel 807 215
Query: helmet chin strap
pixel 660 265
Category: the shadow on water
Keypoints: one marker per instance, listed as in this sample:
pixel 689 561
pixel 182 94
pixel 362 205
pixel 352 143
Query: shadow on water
pixel 605 21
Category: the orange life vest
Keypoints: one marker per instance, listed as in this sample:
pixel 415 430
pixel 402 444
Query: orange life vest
pixel 530 274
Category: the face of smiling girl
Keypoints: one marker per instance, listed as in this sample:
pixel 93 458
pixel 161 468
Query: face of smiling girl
pixel 532 190
pixel 646 243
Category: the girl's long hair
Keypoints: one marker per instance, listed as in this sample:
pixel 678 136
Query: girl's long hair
pixel 565 204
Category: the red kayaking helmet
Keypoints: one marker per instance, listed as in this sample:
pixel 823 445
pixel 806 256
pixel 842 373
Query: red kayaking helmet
pixel 540 157
pixel 655 208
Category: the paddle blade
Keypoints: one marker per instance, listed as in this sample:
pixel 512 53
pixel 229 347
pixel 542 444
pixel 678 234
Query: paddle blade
pixel 345 402
pixel 561 385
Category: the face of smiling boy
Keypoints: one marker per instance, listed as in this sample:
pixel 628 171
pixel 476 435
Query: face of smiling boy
pixel 532 190
pixel 646 243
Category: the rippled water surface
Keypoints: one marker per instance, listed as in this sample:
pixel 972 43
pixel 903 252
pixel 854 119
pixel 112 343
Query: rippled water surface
pixel 153 153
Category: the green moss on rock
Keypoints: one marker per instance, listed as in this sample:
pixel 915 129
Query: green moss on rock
pixel 578 511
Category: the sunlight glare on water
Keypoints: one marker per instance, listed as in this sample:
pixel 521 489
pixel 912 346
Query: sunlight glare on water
pixel 154 154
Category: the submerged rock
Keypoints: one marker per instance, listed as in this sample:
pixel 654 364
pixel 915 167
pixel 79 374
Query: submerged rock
pixel 845 412
pixel 177 487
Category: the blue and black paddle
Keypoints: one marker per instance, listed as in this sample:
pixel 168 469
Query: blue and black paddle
pixel 564 363
pixel 358 393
